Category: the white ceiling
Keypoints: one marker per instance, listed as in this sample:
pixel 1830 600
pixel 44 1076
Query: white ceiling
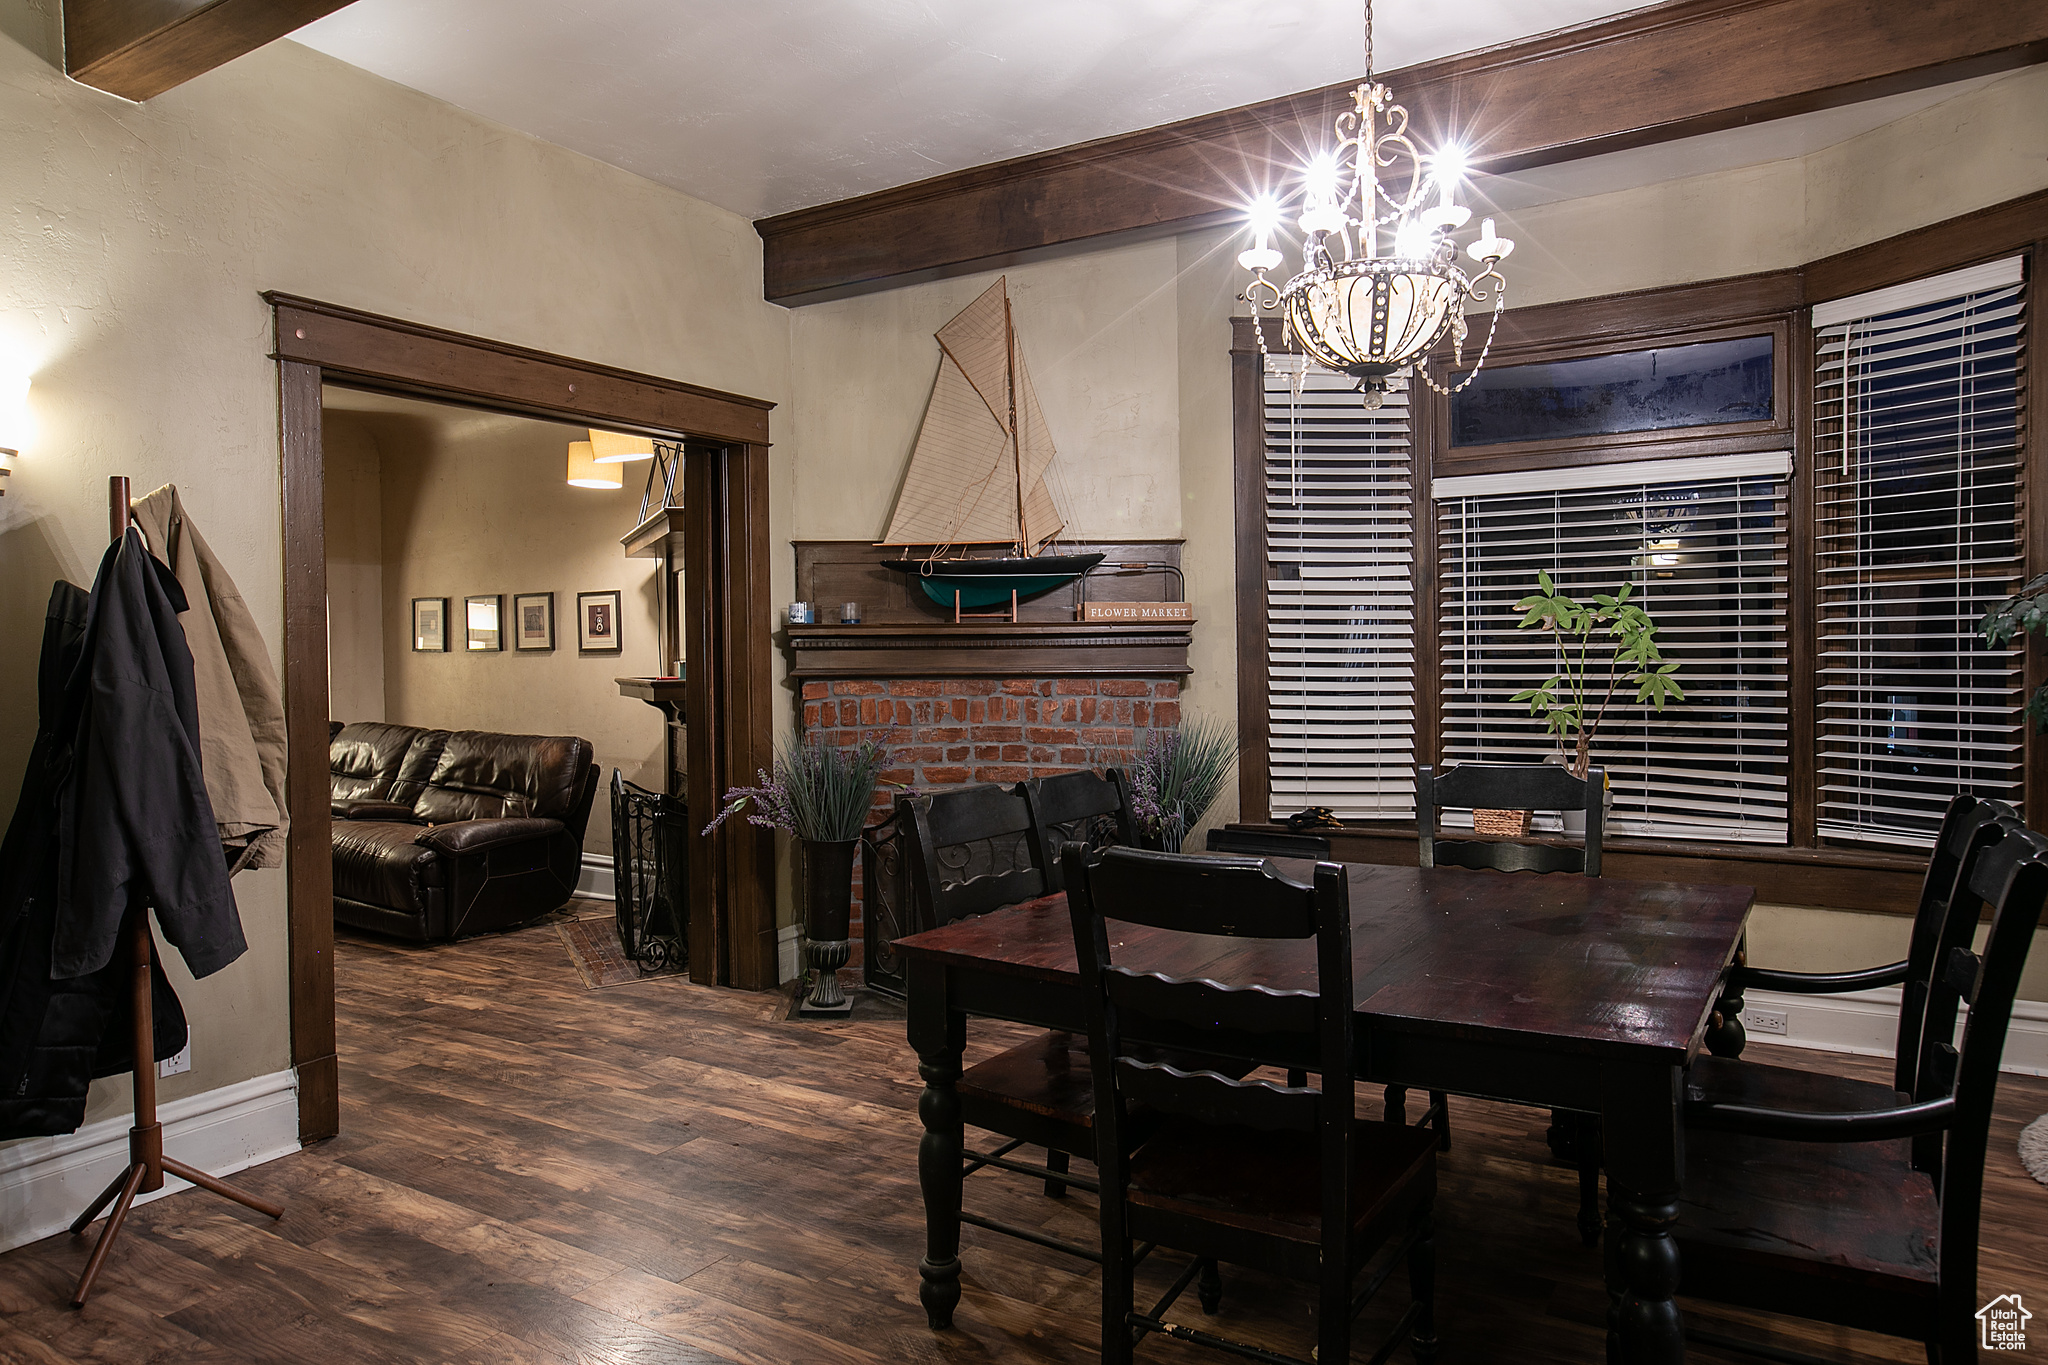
pixel 775 105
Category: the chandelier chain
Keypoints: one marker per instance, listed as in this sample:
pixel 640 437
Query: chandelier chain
pixel 1368 42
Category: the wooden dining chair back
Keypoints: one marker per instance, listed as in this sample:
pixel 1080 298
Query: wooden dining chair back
pixel 1827 1214
pixel 1083 807
pixel 1280 1177
pixel 971 851
pixel 1970 825
pixel 1260 843
pixel 1510 786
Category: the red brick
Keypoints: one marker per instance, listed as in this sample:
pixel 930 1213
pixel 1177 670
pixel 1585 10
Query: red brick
pixel 988 753
pixel 1169 690
pixel 1019 687
pixel 1075 687
pixel 901 777
pixel 1041 755
pixel 977 712
pixel 858 689
pixel 971 687
pixel 959 710
pixel 1124 687
pixel 1042 735
pixel 1118 711
pixel 871 712
pixel 1099 735
pixel 1166 714
pixel 907 688
pixel 959 755
pixel 1079 757
pixel 945 734
pixel 849 712
pixel 812 691
pixel 921 753
pixel 947 777
pixel 999 734
pixel 1082 710
pixel 1009 773
pixel 810 715
pixel 1141 713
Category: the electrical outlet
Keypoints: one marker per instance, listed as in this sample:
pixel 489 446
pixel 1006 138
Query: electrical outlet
pixel 172 1066
pixel 1765 1021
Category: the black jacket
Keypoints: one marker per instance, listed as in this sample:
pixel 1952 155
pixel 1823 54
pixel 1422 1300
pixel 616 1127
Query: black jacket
pixel 113 811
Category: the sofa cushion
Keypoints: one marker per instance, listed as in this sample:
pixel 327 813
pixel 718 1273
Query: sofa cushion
pixel 484 776
pixel 479 836
pixel 418 767
pixel 364 759
pixel 380 863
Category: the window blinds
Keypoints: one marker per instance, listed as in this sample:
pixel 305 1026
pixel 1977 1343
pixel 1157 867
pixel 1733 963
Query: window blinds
pixel 1340 601
pixel 1918 532
pixel 1704 542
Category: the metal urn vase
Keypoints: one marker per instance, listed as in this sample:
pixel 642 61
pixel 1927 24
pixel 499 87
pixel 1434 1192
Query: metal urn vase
pixel 828 916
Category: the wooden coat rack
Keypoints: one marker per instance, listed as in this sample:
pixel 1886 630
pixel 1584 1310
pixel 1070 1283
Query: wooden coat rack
pixel 146 1160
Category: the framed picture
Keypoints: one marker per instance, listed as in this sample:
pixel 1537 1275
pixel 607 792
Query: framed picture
pixel 482 615
pixel 533 620
pixel 597 622
pixel 430 625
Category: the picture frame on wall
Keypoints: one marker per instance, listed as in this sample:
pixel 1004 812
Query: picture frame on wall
pixel 430 625
pixel 533 621
pixel 597 622
pixel 483 615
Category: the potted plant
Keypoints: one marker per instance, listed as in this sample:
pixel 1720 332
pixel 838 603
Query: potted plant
pixel 1177 779
pixel 2025 612
pixel 820 795
pixel 1611 633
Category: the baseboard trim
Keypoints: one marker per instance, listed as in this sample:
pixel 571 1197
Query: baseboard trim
pixel 594 880
pixel 1867 1022
pixel 46 1182
pixel 785 953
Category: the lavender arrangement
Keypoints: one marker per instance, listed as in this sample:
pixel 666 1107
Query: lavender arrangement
pixel 1178 778
pixel 815 792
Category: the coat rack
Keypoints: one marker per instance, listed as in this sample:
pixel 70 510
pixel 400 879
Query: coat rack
pixel 146 1160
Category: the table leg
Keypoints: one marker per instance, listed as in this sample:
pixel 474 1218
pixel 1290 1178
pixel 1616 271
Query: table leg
pixel 1645 1166
pixel 1725 1033
pixel 938 1033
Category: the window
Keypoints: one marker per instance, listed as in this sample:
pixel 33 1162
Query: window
pixel 1340 599
pixel 1706 383
pixel 1703 541
pixel 1918 499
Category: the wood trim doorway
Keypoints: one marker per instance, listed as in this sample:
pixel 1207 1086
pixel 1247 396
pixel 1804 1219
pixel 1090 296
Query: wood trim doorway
pixel 726 514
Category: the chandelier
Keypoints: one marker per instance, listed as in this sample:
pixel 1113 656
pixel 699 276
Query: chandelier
pixel 1380 283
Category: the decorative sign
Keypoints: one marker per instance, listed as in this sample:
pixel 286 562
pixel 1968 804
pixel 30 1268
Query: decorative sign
pixel 1137 611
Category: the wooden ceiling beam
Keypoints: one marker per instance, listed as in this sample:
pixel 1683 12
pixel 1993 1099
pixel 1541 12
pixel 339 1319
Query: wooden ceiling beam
pixel 1652 75
pixel 138 49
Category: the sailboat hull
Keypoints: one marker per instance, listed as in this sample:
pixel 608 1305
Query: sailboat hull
pixel 985 582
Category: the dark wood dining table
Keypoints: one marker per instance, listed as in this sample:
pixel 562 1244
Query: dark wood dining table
pixel 1582 993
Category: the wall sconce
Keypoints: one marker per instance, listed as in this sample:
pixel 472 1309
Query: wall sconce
pixel 14 424
pixel 615 447
pixel 586 472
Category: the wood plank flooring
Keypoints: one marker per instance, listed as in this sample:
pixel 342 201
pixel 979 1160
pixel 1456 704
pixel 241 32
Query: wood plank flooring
pixel 667 1174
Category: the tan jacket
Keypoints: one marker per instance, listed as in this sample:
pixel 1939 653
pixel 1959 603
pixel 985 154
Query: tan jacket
pixel 241 710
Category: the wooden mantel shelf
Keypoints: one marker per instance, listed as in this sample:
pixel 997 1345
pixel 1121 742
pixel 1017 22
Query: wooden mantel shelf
pixel 991 649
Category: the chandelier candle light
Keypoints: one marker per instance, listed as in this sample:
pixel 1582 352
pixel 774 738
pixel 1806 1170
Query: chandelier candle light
pixel 1351 308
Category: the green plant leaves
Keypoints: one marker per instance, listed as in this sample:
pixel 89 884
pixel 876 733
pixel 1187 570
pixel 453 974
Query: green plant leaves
pixel 1633 657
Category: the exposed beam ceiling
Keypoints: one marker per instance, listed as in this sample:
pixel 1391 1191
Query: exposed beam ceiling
pixel 1653 75
pixel 138 49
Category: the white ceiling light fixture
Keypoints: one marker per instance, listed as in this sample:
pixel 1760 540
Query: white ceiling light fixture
pixel 586 472
pixel 616 447
pixel 1353 309
pixel 14 423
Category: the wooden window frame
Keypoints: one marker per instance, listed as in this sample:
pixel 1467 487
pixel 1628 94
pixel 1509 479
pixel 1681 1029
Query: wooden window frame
pixel 1780 302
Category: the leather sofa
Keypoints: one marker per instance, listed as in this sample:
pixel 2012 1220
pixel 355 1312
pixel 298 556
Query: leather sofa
pixel 443 833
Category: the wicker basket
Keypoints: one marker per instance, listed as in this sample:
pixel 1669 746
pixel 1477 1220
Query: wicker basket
pixel 1513 823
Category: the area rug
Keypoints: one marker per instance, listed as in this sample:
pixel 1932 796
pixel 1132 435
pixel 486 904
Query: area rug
pixel 599 958
pixel 2034 1149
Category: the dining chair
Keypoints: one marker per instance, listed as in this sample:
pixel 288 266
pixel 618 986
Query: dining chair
pixel 1970 826
pixel 1281 1178
pixel 1868 1217
pixel 1531 787
pixel 1084 806
pixel 1260 844
pixel 971 851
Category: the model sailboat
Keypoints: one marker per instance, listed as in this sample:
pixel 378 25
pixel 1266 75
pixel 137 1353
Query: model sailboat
pixel 977 473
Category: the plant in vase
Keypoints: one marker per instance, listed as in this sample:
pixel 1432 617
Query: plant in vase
pixel 1178 778
pixel 2025 612
pixel 820 795
pixel 1611 632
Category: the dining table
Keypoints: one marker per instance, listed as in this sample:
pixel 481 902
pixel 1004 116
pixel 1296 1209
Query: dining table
pixel 1587 994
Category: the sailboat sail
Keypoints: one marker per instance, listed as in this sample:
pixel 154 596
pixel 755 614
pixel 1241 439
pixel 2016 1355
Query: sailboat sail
pixel 966 483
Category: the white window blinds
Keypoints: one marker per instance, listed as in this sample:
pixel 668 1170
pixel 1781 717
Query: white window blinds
pixel 1340 603
pixel 1704 542
pixel 1918 532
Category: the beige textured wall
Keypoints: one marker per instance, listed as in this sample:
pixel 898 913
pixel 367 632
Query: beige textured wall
pixel 476 504
pixel 354 508
pixel 135 242
pixel 862 366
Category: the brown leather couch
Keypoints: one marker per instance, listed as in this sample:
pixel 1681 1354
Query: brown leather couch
pixel 443 833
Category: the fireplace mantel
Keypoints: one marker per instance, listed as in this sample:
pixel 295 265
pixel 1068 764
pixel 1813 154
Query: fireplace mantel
pixel 993 649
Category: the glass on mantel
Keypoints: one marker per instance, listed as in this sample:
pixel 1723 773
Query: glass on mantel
pixel 1706 383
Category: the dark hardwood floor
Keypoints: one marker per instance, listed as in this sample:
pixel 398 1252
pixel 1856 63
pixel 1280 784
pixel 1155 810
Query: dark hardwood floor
pixel 534 1172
